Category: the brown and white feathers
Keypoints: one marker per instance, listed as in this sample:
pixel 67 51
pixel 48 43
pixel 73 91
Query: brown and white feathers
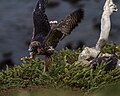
pixel 45 36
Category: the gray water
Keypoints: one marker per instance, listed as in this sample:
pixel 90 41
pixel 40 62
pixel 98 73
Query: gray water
pixel 16 24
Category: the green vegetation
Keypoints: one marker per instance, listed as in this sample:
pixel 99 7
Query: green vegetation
pixel 64 72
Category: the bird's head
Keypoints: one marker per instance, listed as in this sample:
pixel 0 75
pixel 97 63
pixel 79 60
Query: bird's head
pixel 34 48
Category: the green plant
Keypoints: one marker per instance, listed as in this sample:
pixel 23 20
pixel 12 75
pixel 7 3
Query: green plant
pixel 63 72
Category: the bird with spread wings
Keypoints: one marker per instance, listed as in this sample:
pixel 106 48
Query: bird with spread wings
pixel 46 35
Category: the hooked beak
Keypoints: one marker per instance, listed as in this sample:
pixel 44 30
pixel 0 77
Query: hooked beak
pixel 30 49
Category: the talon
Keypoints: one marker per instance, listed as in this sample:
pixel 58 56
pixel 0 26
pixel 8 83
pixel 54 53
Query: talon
pixel 24 58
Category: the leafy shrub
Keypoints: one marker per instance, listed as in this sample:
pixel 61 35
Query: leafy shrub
pixel 64 71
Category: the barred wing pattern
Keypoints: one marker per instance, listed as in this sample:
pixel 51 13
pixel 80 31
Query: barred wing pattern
pixel 63 28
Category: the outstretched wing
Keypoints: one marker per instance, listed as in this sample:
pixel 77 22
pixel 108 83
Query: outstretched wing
pixel 40 21
pixel 63 28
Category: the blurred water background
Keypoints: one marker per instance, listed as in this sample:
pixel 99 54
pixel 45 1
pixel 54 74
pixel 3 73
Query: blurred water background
pixel 16 25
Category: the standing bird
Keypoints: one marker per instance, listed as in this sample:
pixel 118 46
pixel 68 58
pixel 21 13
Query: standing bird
pixel 47 35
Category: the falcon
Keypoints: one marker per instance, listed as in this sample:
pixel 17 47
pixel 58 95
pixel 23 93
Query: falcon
pixel 47 35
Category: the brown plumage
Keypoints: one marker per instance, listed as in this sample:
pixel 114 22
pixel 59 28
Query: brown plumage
pixel 63 28
pixel 45 37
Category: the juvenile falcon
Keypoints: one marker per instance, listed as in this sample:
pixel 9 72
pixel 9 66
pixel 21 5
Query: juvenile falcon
pixel 47 35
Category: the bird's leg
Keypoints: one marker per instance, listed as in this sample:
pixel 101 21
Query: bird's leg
pixel 30 61
pixel 47 63
pixel 32 56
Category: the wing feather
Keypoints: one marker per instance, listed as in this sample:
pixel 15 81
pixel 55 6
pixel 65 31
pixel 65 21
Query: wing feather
pixel 63 28
pixel 70 22
pixel 40 22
